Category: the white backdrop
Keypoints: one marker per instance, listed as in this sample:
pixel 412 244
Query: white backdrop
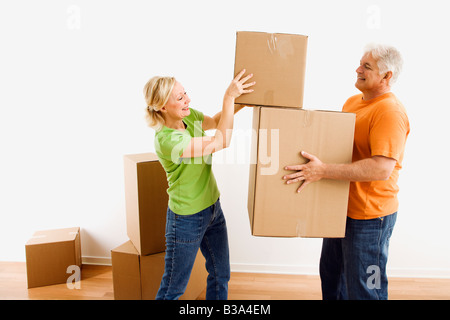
pixel 71 103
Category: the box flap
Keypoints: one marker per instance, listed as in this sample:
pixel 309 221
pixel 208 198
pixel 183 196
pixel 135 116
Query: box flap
pixel 141 157
pixel 54 235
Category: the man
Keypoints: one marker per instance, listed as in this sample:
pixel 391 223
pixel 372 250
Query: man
pixel 355 267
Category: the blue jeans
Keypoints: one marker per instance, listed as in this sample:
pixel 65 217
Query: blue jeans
pixel 355 267
pixel 206 230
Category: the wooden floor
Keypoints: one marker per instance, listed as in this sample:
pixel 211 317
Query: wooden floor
pixel 96 284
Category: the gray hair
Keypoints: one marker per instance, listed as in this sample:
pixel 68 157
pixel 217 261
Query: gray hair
pixel 388 59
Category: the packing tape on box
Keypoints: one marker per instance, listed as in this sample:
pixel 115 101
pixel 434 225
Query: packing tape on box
pixel 282 46
pixel 297 229
pixel 307 119
pixel 272 43
pixel 39 236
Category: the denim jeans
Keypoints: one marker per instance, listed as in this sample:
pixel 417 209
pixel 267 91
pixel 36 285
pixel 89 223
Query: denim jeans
pixel 206 230
pixel 355 267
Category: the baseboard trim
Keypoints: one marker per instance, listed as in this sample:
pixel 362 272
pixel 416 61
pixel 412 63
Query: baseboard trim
pixel 101 261
pixel 302 269
pixel 274 269
pixel 418 273
pixel 314 270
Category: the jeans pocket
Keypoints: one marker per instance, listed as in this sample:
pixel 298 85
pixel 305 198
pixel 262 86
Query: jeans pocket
pixel 188 228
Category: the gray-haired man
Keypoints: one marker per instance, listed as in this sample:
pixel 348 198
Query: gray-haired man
pixel 355 267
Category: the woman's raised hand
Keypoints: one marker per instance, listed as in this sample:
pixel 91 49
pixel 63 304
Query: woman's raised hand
pixel 239 86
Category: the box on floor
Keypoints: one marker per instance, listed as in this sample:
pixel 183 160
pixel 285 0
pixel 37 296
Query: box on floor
pixel 137 277
pixel 52 256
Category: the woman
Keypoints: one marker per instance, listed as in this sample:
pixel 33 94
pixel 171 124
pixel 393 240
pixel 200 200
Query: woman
pixel 194 215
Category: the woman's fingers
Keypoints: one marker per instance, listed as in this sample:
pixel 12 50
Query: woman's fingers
pixel 246 85
pixel 245 79
pixel 239 75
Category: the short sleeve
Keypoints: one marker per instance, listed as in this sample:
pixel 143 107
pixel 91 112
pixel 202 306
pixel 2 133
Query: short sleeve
pixel 197 115
pixel 388 134
pixel 171 146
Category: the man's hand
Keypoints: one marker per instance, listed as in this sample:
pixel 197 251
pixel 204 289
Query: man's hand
pixel 376 168
pixel 309 172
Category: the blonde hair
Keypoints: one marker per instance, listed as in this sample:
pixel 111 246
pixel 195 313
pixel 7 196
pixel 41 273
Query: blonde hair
pixel 157 92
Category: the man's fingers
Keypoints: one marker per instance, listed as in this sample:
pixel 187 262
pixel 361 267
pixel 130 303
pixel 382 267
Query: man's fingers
pixel 295 177
pixel 296 180
pixel 307 155
pixel 297 167
pixel 292 176
pixel 302 186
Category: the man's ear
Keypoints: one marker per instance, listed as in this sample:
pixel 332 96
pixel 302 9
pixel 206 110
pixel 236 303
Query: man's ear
pixel 388 76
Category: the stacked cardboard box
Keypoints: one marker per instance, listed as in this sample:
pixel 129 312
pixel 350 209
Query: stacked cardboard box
pixel 138 264
pixel 282 128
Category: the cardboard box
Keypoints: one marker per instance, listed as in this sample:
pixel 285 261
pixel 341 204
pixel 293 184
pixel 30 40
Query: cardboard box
pixel 278 63
pixel 275 208
pixel 137 277
pixel 48 255
pixel 146 202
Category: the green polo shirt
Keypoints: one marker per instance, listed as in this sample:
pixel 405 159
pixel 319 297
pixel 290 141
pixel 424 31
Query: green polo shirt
pixel 192 186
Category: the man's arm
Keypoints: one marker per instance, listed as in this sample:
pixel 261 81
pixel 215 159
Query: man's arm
pixel 370 169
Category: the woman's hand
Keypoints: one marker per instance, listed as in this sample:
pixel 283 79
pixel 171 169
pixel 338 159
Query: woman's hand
pixel 239 86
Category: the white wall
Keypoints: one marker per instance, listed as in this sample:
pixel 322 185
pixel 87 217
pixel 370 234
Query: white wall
pixel 71 79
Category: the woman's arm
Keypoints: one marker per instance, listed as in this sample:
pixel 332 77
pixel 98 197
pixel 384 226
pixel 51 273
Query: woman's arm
pixel 200 146
pixel 210 123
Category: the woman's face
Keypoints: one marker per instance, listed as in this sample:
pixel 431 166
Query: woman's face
pixel 177 107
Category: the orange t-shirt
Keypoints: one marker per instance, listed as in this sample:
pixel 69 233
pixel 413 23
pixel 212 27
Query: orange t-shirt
pixel 381 129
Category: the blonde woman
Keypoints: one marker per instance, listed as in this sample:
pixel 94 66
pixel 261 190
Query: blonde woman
pixel 194 215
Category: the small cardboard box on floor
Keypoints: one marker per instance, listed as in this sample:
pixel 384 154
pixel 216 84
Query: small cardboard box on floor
pixel 278 63
pixel 49 253
pixel 280 134
pixel 146 202
pixel 137 277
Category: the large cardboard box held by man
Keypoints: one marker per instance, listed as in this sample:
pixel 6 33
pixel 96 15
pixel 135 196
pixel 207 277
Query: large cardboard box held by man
pixel 137 277
pixel 52 256
pixel 280 134
pixel 278 63
pixel 146 202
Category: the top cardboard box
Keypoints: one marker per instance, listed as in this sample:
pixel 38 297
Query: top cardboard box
pixel 278 63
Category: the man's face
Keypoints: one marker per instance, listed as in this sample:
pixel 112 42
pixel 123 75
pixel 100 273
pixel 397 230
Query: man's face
pixel 368 75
